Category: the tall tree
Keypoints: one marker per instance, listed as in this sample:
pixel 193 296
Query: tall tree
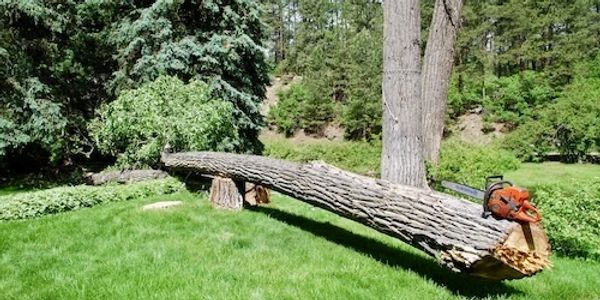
pixel 437 70
pixel 402 158
pixel 65 58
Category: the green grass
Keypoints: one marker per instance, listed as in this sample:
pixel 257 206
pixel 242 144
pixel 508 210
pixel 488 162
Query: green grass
pixel 287 250
pixel 531 174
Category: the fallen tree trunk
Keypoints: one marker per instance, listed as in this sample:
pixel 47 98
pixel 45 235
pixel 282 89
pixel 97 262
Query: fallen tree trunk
pixel 125 176
pixel 450 229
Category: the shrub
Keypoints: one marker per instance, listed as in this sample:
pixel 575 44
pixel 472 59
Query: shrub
pixel 136 126
pixel 464 92
pixel 471 164
pixel 62 199
pixel 362 119
pixel 571 216
pixel 570 125
pixel 359 157
pixel 517 98
pixel 300 108
pixel 530 141
pixel 286 113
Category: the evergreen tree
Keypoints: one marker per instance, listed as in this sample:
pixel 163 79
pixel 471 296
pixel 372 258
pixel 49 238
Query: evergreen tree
pixel 62 59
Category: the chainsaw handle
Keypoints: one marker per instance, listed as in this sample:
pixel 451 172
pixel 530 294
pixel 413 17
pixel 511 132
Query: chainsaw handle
pixel 526 211
pixel 488 180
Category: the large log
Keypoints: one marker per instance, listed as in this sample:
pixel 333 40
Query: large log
pixel 450 229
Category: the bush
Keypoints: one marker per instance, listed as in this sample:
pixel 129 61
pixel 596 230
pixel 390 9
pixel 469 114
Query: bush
pixel 530 141
pixel 517 98
pixel 362 119
pixel 138 125
pixel 286 113
pixel 571 216
pixel 570 125
pixel 300 108
pixel 62 199
pixel 359 157
pixel 471 164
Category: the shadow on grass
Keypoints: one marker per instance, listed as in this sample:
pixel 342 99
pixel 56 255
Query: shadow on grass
pixel 457 283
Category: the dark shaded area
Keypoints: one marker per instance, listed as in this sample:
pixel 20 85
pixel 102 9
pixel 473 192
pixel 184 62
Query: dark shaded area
pixel 457 283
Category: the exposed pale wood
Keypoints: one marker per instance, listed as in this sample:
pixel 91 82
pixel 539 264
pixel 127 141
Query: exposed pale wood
pixel 125 176
pixel 161 205
pixel 447 228
pixel 256 194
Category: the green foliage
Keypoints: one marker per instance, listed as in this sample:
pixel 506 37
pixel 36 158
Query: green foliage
pixel 137 126
pixel 571 216
pixel 530 141
pixel 464 93
pixel 299 108
pixel 513 59
pixel 286 114
pixel 516 99
pixel 570 125
pixel 574 119
pixel 359 157
pixel 61 199
pixel 66 58
pixel 341 65
pixel 471 164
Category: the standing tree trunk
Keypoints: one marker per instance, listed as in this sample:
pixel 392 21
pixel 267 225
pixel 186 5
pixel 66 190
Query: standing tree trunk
pixel 402 157
pixel 437 69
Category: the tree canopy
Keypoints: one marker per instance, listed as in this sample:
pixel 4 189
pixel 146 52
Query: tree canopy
pixel 63 59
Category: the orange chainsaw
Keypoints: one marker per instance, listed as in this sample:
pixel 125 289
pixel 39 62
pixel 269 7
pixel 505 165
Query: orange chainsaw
pixel 501 198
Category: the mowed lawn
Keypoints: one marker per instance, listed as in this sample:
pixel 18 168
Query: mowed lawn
pixel 286 250
pixel 530 174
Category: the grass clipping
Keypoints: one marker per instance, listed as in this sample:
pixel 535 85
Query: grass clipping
pixel 62 199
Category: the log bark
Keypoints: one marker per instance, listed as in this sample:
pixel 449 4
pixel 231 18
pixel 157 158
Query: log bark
pixel 126 176
pixel 450 229
pixel 402 154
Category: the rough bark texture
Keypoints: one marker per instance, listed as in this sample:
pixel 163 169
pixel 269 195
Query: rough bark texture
pixel 449 229
pixel 227 194
pixel 402 157
pixel 437 69
pixel 126 176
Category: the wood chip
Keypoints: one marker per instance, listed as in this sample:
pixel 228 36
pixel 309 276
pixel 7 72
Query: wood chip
pixel 161 205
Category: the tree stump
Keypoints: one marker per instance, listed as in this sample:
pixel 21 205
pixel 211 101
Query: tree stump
pixel 226 193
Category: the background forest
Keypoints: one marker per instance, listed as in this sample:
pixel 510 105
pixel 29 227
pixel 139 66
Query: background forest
pixel 531 66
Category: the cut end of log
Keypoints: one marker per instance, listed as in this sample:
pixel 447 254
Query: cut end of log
pixel 256 194
pixel 525 252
